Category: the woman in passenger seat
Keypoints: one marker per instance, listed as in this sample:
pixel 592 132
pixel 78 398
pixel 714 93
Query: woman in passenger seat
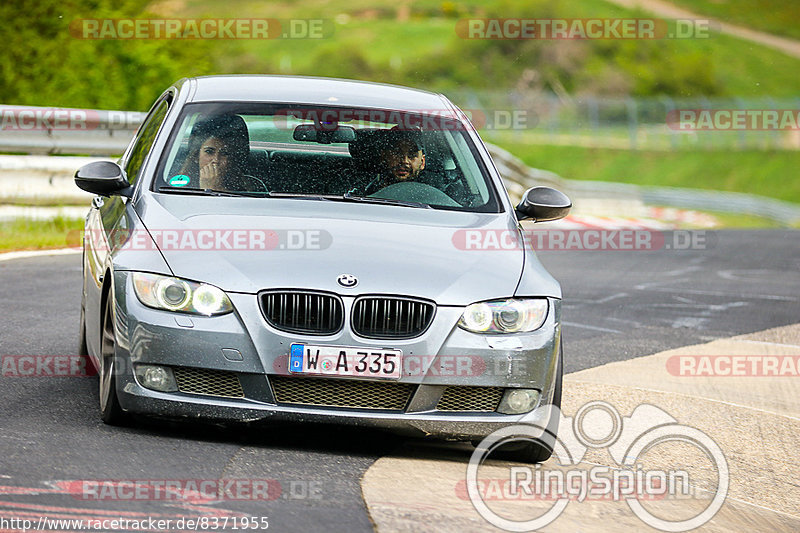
pixel 219 147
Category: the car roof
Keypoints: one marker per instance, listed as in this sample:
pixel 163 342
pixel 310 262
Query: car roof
pixel 311 90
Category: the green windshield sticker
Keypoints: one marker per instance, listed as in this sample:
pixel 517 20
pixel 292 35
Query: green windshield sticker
pixel 179 181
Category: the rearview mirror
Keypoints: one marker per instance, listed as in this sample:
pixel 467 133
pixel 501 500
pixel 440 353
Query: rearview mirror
pixel 104 178
pixel 310 133
pixel 543 204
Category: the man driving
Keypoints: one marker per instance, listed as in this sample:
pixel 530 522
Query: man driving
pixel 401 158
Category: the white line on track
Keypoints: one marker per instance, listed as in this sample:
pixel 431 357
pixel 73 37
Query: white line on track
pixel 586 326
pixel 8 256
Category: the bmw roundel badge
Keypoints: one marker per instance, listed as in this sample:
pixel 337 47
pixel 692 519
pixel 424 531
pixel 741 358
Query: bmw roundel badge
pixel 347 280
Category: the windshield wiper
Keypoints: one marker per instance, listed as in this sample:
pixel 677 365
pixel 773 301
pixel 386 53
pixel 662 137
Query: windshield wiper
pixel 376 200
pixel 301 196
pixel 211 192
pixel 347 197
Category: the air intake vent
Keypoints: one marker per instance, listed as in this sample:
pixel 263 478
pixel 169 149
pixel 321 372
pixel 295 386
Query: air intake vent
pixel 470 399
pixel 314 313
pixel 388 317
pixel 326 392
pixel 208 382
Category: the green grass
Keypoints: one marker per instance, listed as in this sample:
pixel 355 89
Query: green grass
pixel 771 174
pixel 781 17
pixel 746 69
pixel 58 201
pixel 377 41
pixel 26 234
pixel 731 221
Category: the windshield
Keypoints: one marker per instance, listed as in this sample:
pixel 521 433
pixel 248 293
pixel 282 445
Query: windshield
pixel 289 151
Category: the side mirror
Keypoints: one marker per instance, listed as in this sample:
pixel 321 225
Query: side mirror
pixel 103 178
pixel 543 204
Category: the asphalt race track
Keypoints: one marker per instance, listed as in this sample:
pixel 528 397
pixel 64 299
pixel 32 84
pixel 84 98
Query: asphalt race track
pixel 618 305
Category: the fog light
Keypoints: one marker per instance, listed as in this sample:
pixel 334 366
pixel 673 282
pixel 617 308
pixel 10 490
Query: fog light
pixel 518 401
pixel 155 377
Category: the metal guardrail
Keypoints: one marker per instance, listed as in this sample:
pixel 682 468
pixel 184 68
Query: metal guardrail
pixel 521 177
pixel 635 123
pixel 52 131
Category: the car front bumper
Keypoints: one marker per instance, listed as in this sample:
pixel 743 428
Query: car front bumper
pixel 242 343
pixel 137 399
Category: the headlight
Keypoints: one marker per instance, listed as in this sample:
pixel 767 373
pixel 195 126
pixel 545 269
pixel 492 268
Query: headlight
pixel 174 294
pixel 504 316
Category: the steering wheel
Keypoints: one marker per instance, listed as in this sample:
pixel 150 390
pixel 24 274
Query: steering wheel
pixel 249 183
pixel 414 191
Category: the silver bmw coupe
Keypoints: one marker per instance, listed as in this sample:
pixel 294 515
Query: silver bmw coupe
pixel 319 250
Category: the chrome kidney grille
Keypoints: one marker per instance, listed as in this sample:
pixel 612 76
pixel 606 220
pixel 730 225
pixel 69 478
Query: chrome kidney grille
pixel 391 317
pixel 314 313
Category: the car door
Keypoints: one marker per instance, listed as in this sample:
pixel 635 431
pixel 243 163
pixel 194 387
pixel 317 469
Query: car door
pixel 106 223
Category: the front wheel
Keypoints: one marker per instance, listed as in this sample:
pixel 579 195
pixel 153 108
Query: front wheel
pixel 83 347
pixel 110 410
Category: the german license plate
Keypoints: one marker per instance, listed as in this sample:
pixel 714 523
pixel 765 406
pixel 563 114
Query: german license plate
pixel 345 361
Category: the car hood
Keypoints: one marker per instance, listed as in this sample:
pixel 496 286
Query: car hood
pixel 309 244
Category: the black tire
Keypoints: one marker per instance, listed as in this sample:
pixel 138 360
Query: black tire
pixel 559 377
pixel 538 452
pixel 83 347
pixel 110 411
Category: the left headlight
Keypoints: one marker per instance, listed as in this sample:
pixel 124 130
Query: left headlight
pixel 175 294
pixel 504 316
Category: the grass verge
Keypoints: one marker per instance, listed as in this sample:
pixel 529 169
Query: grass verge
pixel 27 234
pixel 417 45
pixel 732 221
pixel 773 16
pixel 770 174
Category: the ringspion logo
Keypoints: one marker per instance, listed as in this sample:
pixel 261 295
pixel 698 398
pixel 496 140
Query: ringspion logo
pixel 628 440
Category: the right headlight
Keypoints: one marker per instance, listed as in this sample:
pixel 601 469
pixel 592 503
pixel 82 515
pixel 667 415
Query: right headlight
pixel 505 316
pixel 175 294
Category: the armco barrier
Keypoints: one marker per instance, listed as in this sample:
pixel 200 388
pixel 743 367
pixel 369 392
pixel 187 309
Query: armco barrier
pixel 51 131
